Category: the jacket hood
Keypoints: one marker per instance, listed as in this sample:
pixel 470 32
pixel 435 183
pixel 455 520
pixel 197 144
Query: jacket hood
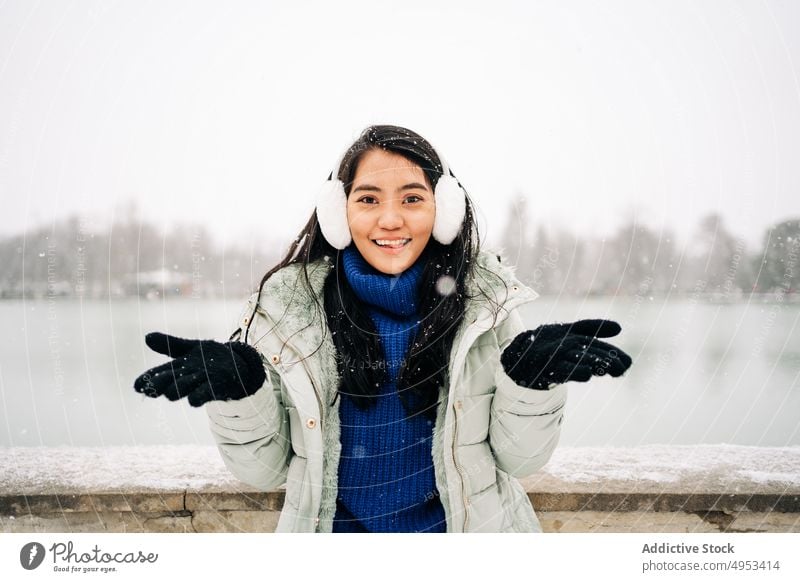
pixel 286 300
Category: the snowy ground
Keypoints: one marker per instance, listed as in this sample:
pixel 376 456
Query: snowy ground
pixel 672 468
pixel 729 468
pixel 84 469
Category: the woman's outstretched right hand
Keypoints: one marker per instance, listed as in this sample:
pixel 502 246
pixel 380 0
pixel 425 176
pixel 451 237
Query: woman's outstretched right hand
pixel 560 352
pixel 203 370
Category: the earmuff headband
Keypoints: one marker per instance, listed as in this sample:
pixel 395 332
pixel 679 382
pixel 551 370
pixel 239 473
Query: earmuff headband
pixel 449 198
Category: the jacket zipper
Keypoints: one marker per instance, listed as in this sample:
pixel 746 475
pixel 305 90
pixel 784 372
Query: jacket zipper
pixel 305 366
pixel 460 474
pixel 455 434
pixel 316 394
pixel 456 413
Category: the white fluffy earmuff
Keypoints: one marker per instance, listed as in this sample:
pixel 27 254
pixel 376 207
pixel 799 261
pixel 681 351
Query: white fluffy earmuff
pixel 449 197
pixel 451 205
pixel 332 213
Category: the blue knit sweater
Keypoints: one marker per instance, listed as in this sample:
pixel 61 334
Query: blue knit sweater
pixel 386 477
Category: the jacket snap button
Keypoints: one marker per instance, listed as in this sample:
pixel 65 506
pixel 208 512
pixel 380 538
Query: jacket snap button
pixel 311 423
pixel 458 405
pixel 245 320
pixel 515 288
pixel 275 358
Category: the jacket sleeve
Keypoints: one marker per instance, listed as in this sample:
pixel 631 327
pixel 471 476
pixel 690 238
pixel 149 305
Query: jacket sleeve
pixel 525 424
pixel 252 433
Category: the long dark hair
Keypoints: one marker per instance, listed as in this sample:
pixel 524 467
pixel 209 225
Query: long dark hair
pixel 423 371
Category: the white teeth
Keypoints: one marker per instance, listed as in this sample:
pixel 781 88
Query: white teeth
pixel 392 243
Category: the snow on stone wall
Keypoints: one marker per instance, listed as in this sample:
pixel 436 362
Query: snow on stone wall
pixel 32 470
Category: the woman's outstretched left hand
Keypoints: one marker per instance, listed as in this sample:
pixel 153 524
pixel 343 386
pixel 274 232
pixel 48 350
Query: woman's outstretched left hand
pixel 203 370
pixel 561 352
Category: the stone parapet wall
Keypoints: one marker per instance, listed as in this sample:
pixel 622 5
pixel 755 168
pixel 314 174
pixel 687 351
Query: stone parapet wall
pixel 187 489
pixel 239 511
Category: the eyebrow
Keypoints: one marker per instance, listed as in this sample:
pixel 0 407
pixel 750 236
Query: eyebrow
pixel 371 188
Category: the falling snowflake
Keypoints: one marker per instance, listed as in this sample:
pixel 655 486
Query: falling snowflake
pixel 445 285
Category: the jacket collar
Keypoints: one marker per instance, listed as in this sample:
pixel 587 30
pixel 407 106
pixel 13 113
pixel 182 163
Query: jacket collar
pixel 297 315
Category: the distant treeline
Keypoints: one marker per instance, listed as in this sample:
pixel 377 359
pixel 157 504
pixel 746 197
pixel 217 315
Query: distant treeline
pixel 135 259
pixel 639 260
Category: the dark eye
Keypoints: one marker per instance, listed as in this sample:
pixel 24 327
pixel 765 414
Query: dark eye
pixel 367 199
pixel 413 198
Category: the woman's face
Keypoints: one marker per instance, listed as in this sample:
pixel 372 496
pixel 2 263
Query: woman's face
pixel 391 201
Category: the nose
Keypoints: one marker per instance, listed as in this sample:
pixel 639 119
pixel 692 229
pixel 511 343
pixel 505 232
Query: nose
pixel 390 216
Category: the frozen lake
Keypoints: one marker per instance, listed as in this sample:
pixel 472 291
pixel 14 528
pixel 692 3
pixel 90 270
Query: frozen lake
pixel 703 372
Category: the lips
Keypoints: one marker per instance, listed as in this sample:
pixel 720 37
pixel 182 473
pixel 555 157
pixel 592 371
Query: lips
pixel 391 243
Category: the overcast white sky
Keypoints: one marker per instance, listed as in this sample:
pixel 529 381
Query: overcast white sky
pixel 233 113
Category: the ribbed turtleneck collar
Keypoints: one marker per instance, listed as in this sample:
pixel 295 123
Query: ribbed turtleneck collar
pixel 396 294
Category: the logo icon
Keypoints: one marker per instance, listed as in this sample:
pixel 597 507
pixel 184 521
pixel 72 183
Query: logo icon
pixel 31 555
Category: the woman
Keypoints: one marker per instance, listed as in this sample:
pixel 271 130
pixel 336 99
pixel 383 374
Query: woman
pixel 382 371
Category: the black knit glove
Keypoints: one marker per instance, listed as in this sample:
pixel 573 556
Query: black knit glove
pixel 560 352
pixel 203 370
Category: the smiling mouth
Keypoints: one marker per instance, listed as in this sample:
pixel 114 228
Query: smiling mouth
pixel 391 243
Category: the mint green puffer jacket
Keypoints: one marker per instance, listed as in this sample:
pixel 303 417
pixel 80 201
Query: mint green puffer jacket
pixel 488 430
